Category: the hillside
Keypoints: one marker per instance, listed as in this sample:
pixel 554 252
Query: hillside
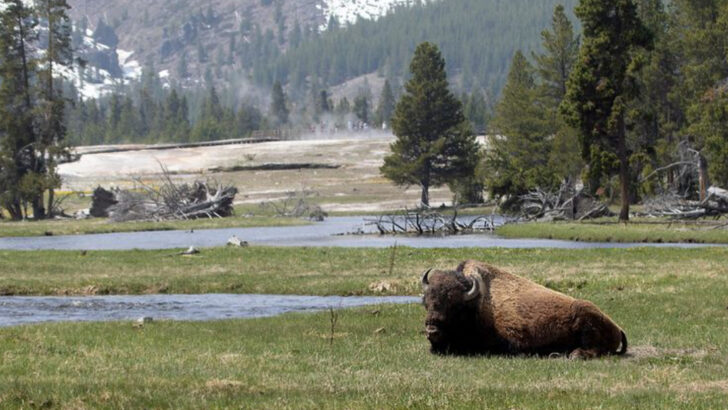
pixel 230 42
pixel 184 40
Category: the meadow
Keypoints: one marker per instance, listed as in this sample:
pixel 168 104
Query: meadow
pixel 671 302
pixel 640 231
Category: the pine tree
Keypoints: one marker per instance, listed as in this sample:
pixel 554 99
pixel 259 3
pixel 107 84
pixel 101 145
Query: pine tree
pixel 599 88
pixel 51 106
pixel 553 66
pixel 279 110
pixel 700 38
pixel 561 49
pixel 435 144
pixel 182 70
pixel 361 108
pixel 18 157
pixel 520 146
pixel 343 108
pixel 323 102
pixel 386 105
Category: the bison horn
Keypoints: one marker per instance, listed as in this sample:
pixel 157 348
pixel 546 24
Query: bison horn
pixel 474 291
pixel 425 280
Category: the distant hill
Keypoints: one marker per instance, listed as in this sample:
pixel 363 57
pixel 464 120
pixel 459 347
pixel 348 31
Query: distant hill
pixel 230 42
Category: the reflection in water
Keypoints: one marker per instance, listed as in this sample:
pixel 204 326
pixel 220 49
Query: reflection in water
pixel 23 310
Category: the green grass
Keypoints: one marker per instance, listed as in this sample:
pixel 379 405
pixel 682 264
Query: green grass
pixel 328 271
pixel 102 225
pixel 671 302
pixel 639 231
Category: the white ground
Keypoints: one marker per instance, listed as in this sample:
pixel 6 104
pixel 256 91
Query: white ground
pixel 354 187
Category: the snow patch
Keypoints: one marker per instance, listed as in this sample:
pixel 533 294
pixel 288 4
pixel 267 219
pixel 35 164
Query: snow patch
pixel 347 11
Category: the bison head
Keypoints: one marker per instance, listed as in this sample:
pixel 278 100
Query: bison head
pixel 451 300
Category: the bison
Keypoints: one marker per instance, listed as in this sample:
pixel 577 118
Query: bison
pixel 480 309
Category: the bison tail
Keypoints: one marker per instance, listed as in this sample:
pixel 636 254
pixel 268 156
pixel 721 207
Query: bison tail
pixel 623 348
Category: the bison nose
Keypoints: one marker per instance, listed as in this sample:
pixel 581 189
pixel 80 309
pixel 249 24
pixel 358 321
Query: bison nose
pixel 432 332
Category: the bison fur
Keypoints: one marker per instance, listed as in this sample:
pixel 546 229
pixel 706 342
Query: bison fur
pixel 480 309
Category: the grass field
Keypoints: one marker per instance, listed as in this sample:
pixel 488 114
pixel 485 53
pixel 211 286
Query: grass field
pixel 672 303
pixel 640 231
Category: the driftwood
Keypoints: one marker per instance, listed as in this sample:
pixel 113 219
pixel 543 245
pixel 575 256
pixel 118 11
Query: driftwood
pixel 429 222
pixel 169 201
pixel 566 204
pixel 174 202
pixel 297 204
pixel 688 172
pixel 714 205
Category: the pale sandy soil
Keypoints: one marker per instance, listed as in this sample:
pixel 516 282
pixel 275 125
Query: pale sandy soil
pixel 354 187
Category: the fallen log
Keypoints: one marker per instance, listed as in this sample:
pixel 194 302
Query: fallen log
pixel 173 202
pixel 566 204
pixel 714 205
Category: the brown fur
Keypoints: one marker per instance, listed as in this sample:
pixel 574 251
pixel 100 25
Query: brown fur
pixel 513 315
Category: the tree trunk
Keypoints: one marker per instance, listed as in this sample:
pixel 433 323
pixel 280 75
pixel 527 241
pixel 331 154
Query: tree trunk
pixel 624 180
pixel 38 209
pixel 704 178
pixel 425 200
pixel 51 198
pixel 16 211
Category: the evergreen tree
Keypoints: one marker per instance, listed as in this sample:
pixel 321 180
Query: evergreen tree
pixel 520 146
pixel 182 70
pixel 279 110
pixel 434 142
pixel 343 108
pixel 386 105
pixel 114 117
pixel 128 121
pixel 561 49
pixel 18 157
pixel 324 102
pixel 599 88
pixel 656 117
pixel 248 119
pixel 477 111
pixel 700 38
pixel 51 105
pixel 361 108
pixel 553 66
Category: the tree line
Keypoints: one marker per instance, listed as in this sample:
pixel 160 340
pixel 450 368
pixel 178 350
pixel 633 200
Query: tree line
pixel 616 107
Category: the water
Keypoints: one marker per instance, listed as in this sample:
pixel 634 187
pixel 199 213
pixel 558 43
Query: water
pixel 26 310
pixel 330 233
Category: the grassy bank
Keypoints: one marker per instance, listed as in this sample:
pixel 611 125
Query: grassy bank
pixel 332 271
pixel 102 225
pixel 675 232
pixel 672 304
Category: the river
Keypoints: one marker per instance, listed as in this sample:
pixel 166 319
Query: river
pixel 27 310
pixel 330 233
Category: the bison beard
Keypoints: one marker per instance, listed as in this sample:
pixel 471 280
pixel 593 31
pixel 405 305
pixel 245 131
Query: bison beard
pixel 479 309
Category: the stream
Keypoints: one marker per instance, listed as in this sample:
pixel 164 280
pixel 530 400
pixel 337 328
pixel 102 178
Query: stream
pixel 16 311
pixel 334 232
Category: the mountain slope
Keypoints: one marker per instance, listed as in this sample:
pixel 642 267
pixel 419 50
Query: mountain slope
pixel 477 38
pixel 185 39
